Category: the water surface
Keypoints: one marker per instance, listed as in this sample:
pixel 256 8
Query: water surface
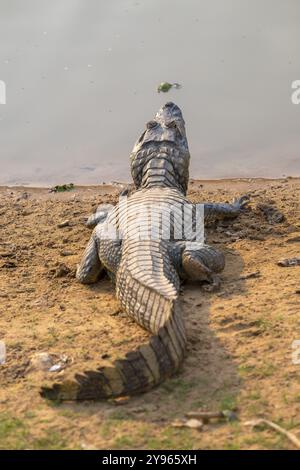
pixel 81 81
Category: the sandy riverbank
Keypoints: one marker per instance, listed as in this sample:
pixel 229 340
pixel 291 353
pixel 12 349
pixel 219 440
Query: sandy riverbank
pixel 240 338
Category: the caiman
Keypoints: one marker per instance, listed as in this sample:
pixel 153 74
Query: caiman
pixel 147 243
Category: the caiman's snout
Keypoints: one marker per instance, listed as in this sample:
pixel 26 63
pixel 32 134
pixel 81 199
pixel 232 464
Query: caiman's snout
pixel 172 108
pixel 169 112
pixel 166 127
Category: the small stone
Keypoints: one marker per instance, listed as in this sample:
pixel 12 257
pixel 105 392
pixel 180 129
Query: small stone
pixel 61 271
pixel 188 423
pixel 66 253
pixel 65 223
pixel 230 415
pixel 9 265
pixel 293 240
pixel 287 262
pixel 116 312
pixel 6 254
pixel 23 196
pixel 56 368
pixel 105 356
pixel 120 401
pixel 49 362
pixel 42 361
pixel 257 237
pixel 250 275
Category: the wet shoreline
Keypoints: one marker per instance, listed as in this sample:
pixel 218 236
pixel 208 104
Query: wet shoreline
pixel 120 184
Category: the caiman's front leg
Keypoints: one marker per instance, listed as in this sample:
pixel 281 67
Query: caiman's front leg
pixel 103 210
pixel 90 267
pixel 99 216
pixel 214 212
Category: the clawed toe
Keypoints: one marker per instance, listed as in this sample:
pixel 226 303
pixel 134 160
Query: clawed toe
pixel 242 201
pixel 214 284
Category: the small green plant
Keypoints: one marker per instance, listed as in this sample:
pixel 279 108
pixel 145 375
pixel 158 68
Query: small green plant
pixel 228 403
pixel 12 432
pixel 179 387
pixel 60 188
pixel 246 369
pixel 51 440
pixel 255 395
pixel 265 370
pixel 263 324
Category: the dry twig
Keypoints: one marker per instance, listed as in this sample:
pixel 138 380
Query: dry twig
pixel 276 427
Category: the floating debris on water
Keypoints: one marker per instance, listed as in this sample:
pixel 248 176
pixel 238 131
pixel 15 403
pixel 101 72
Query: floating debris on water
pixel 164 87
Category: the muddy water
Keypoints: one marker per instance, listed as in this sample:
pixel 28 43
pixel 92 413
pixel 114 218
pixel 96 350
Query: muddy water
pixel 81 82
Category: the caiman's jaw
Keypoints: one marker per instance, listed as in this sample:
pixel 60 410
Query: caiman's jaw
pixel 161 156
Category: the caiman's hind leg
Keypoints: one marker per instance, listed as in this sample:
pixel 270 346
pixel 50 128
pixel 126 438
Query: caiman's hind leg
pixel 202 263
pixel 90 267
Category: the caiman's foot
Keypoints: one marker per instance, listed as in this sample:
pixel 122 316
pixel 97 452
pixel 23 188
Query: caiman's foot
pixel 214 283
pixel 241 202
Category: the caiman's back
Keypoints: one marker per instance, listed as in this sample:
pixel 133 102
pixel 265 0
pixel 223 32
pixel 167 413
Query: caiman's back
pixel 147 275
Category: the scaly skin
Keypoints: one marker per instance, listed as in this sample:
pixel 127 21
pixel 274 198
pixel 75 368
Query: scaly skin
pixel 147 269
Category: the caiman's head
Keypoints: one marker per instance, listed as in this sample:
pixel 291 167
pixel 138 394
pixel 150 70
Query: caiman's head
pixel 161 156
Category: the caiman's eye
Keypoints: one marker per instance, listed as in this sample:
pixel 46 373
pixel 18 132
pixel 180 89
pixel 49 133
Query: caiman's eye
pixel 151 124
pixel 171 124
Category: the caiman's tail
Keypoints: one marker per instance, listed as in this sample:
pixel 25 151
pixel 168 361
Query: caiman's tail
pixel 147 287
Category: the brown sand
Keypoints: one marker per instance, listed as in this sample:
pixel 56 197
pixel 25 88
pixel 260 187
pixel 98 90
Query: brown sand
pixel 240 338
